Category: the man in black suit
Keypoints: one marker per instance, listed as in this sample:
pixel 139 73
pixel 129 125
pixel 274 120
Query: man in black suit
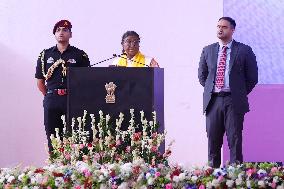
pixel 228 72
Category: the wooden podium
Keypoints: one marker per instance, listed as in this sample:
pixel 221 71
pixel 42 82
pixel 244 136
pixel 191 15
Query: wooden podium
pixel 136 88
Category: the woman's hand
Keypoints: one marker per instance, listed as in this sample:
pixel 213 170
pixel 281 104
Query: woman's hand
pixel 153 63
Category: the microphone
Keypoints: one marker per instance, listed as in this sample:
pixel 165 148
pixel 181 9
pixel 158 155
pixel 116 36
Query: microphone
pixel 113 56
pixel 121 56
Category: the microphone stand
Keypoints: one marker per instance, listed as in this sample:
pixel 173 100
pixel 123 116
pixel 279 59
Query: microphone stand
pixel 113 56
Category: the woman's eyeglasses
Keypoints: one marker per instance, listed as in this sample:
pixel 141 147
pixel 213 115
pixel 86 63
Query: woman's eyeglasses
pixel 129 42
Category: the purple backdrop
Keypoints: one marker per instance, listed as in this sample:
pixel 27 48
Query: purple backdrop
pixel 263 126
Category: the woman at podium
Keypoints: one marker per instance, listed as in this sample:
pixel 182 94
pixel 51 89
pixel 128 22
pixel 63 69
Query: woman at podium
pixel 131 56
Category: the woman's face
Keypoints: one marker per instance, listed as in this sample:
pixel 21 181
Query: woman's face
pixel 130 46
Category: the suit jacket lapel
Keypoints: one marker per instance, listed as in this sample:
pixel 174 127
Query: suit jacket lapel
pixel 234 52
pixel 215 51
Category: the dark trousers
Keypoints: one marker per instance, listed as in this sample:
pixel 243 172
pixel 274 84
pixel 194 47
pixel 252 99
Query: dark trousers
pixel 54 107
pixel 221 118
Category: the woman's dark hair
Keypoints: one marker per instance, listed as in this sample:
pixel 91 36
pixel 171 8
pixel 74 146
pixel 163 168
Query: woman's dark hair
pixel 129 33
pixel 229 19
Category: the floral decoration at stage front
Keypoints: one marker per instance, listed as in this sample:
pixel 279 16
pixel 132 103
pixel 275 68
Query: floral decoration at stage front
pixel 114 158
pixel 139 174
pixel 109 143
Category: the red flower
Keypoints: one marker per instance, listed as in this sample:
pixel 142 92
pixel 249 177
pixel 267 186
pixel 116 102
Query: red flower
pixel 57 174
pixel 208 171
pixel 112 173
pixel 39 170
pixel 136 169
pixel 154 149
pixel 137 136
pixel 87 184
pixel 90 145
pixel 61 149
pixel 154 135
pixel 112 145
pixel 176 172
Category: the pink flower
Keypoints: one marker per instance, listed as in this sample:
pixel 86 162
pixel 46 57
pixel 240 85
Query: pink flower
pixel 7 186
pixel 154 135
pixel 77 187
pixel 67 156
pixel 197 172
pixel 87 173
pixel 220 178
pixel 45 180
pixel 118 142
pixel 161 166
pixel 273 170
pixel 154 149
pixel 157 174
pixel 201 186
pixel 273 185
pixel 96 157
pixel 114 186
pixel 82 146
pixel 169 186
pixel 167 153
pixel 250 172
pixel 127 150
pixel 48 187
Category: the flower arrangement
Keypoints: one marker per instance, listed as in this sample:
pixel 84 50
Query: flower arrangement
pixel 109 144
pixel 112 158
pixel 138 174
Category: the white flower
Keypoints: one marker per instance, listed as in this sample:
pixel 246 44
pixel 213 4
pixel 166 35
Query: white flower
pixel 215 183
pixel 281 186
pixel 248 183
pixel 73 177
pixel 33 180
pixel 10 179
pixel 104 172
pixel 181 176
pixel 230 183
pixel 140 177
pixel 7 176
pixel 101 178
pixel 59 181
pixel 81 166
pixel 176 179
pixel 194 178
pixel 209 185
pixel 143 187
pixel 238 181
pixel 275 179
pixel 261 183
pixel 107 118
pixel 20 177
pixel 103 186
pixel 126 169
pixel 2 179
pixel 148 175
pixel 39 178
pixel 123 185
pixel 25 187
pixel 150 181
pixel 261 171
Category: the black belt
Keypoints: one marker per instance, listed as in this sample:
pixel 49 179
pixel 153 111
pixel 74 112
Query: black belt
pixel 222 94
pixel 59 92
